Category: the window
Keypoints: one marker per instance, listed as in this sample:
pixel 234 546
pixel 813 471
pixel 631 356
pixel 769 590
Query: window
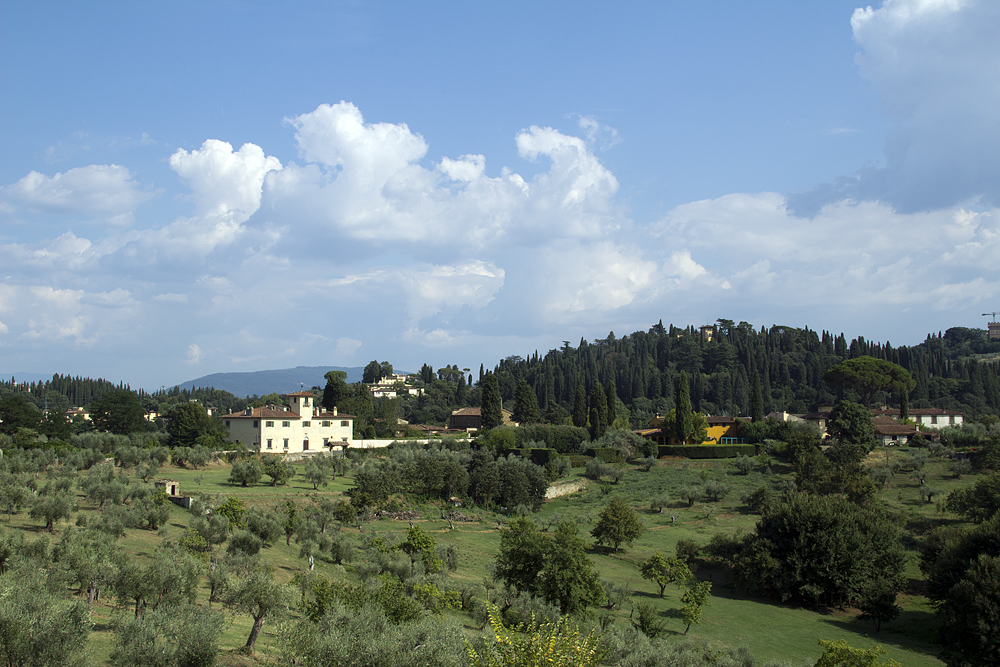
pixel 256 423
pixel 286 424
pixel 306 424
pixel 934 419
pixel 268 424
pixel 345 423
pixel 269 443
pixel 286 443
pixel 227 423
pixel 305 445
pixel 326 424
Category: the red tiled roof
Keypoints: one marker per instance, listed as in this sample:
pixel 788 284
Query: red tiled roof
pixel 894 412
pixel 301 393
pixel 719 420
pixel 467 412
pixel 330 415
pixel 266 412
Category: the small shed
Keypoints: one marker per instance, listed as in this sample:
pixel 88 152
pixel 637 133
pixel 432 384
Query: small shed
pixel 172 487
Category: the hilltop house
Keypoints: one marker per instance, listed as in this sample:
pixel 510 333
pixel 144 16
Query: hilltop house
pixel 470 419
pixel 928 418
pixel 300 427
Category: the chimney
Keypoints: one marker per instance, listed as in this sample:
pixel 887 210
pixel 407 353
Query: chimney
pixel 335 411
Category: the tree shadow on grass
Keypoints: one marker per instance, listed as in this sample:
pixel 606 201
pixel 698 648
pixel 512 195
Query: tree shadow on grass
pixel 912 631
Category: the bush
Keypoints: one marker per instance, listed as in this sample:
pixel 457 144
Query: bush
pixel 606 454
pixel 707 451
pixel 245 542
pixel 688 550
pixel 563 439
pixel 760 500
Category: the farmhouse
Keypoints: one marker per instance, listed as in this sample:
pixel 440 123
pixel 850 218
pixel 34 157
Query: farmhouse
pixel 300 427
pixel 470 419
pixel 927 418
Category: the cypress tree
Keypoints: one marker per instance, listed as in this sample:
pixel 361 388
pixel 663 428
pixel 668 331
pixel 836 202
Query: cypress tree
pixel 682 399
pixel 525 404
pixel 598 412
pixel 904 404
pixel 580 407
pixel 612 396
pixel 756 399
pixel 491 411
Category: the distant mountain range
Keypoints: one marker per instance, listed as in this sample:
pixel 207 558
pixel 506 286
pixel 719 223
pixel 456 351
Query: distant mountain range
pixel 282 381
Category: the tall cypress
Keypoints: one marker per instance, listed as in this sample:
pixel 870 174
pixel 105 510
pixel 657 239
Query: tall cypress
pixel 580 407
pixel 612 397
pixel 904 404
pixel 598 412
pixel 682 399
pixel 756 399
pixel 491 412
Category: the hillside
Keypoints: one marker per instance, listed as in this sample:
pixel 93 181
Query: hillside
pixel 279 381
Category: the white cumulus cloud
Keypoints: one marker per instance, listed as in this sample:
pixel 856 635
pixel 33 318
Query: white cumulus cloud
pixel 934 64
pixel 104 191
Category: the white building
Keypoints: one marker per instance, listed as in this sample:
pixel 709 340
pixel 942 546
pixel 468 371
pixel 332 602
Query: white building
pixel 928 418
pixel 296 428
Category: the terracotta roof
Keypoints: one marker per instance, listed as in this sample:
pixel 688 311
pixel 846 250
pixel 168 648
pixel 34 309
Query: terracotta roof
pixel 266 412
pixel 330 415
pixel 886 425
pixel 466 412
pixel 815 415
pixel 894 412
pixel 301 393
pixel 719 420
pixel 894 429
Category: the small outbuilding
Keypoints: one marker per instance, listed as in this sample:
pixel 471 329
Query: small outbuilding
pixel 170 486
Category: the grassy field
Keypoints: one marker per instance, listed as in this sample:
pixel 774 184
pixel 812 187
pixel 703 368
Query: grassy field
pixel 769 630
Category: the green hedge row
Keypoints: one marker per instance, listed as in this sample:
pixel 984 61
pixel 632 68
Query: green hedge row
pixel 707 451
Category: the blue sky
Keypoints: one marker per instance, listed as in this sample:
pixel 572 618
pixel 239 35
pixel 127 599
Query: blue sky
pixel 190 188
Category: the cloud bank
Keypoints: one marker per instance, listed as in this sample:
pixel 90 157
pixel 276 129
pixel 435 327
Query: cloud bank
pixel 369 245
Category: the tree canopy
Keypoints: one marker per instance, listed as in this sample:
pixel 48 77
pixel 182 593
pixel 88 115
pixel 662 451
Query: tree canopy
pixel 868 375
pixel 119 412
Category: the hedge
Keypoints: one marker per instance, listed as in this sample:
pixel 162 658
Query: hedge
pixel 564 439
pixel 707 451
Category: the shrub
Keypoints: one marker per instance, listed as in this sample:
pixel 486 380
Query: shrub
pixel 688 550
pixel 707 451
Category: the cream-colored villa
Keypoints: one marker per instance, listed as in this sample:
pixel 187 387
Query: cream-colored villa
pixel 300 427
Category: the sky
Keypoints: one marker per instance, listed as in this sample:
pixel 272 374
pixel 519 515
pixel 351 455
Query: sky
pixel 197 187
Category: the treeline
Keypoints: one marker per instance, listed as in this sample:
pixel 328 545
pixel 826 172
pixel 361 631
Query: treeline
pixel 787 362
pixel 63 392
